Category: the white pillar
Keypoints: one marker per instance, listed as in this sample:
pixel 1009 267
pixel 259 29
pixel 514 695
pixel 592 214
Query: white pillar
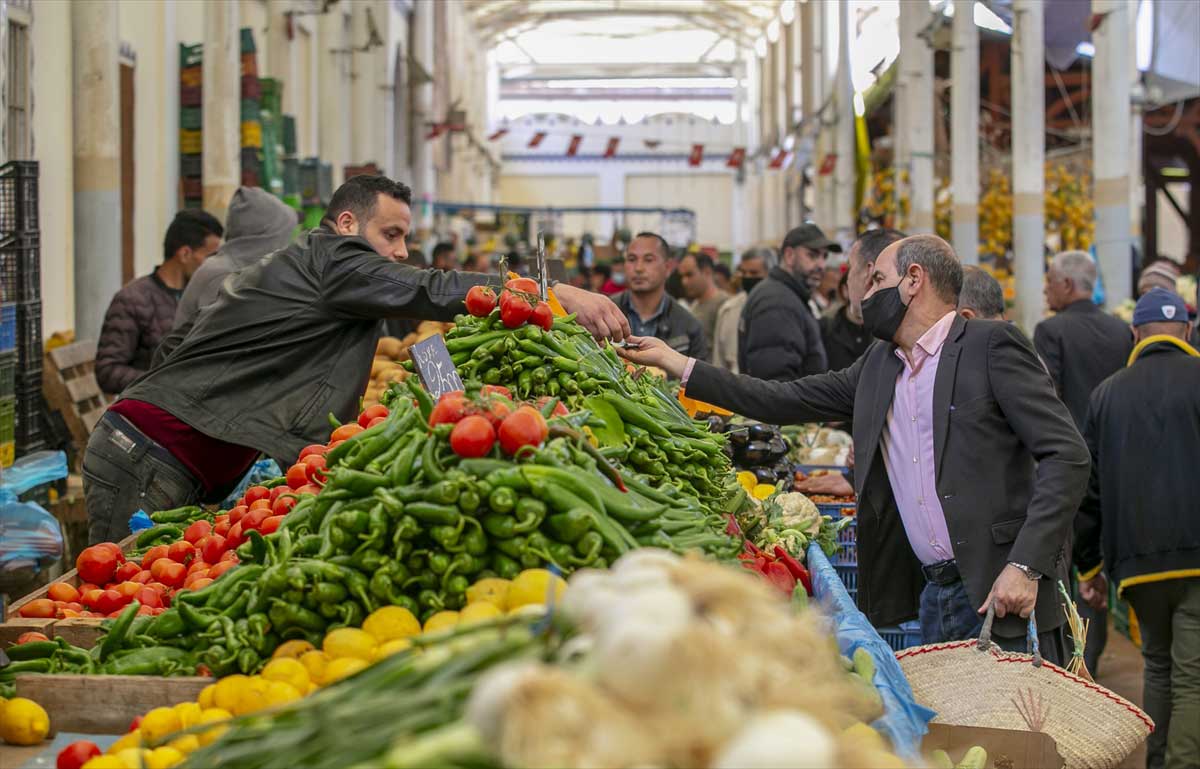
pixel 1137 193
pixel 170 117
pixel 1110 143
pixel 916 64
pixel 964 132
pixel 333 65
pixel 424 179
pixel 97 177
pixel 1029 152
pixel 222 106
pixel 281 55
pixel 366 100
pixel 844 214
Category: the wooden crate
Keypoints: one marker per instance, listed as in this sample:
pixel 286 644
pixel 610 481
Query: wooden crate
pixel 70 387
pixel 104 704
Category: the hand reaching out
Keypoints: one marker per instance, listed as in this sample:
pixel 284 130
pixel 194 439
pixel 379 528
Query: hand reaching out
pixel 595 312
pixel 649 351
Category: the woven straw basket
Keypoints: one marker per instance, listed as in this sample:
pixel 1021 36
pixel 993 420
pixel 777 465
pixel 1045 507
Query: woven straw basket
pixel 1094 728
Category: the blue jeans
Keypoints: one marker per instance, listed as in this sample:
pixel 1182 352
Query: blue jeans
pixel 947 614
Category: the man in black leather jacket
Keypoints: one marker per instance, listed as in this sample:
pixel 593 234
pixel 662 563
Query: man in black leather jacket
pixel 288 340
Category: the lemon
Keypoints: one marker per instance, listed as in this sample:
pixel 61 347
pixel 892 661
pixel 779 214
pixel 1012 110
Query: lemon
pixel 229 692
pixel 213 716
pixel 349 642
pixel 23 722
pixel 281 692
pixel 252 698
pixel 747 479
pixel 491 590
pixel 163 758
pixel 762 491
pixel 132 757
pixel 533 586
pixel 205 700
pixel 315 663
pixel 342 667
pixel 289 671
pixel 188 743
pixel 293 648
pixel 131 739
pixel 189 714
pixel 478 612
pixel 862 733
pixel 391 622
pixel 158 723
pixel 441 621
pixel 105 762
pixel 394 646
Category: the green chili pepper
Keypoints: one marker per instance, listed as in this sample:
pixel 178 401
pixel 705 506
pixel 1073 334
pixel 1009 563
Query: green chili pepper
pixel 283 615
pixel 118 631
pixel 328 592
pixel 400 473
pixel 177 515
pixel 588 547
pixel 155 534
pixel 442 493
pixel 505 567
pixel 429 513
pixel 569 526
pixel 502 499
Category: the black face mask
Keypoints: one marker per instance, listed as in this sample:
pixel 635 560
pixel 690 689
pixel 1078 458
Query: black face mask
pixel 883 312
pixel 748 284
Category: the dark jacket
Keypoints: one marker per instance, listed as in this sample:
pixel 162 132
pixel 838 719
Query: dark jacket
pixel 258 223
pixel 290 339
pixel 676 326
pixel 138 318
pixel 778 337
pixel 1010 466
pixel 1143 428
pixel 1081 347
pixel 844 341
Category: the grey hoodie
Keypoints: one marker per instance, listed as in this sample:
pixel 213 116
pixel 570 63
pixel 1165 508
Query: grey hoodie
pixel 256 224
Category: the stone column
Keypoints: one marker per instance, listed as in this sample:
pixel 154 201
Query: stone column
pixel 1111 143
pixel 222 106
pixel 844 213
pixel 916 69
pixel 424 179
pixel 1029 154
pixel 964 132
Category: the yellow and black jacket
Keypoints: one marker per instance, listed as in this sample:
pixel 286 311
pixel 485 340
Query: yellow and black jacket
pixel 1140 518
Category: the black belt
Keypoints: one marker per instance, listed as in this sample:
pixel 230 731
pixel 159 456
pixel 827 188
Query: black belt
pixel 942 572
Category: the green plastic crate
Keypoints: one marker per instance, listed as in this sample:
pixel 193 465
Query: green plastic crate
pixel 248 41
pixel 289 135
pixel 271 93
pixel 250 110
pixel 8 374
pixel 8 430
pixel 191 118
pixel 191 55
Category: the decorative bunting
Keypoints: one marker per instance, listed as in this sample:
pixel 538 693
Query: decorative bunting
pixel 497 134
pixel 573 147
pixel 435 130
pixel 736 158
pixel 537 139
pixel 651 144
pixel 828 163
pixel 696 157
pixel 610 150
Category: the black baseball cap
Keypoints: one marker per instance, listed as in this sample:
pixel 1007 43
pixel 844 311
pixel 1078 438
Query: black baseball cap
pixel 810 236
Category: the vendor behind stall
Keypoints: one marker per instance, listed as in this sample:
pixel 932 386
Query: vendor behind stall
pixel 971 469
pixel 288 341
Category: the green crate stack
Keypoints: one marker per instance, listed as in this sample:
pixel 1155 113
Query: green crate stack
pixel 190 123
pixel 291 163
pixel 272 148
pixel 251 119
pixel 8 431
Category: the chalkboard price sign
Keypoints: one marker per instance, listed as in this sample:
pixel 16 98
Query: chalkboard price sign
pixel 434 367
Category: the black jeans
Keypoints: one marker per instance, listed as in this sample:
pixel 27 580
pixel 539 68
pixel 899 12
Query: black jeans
pixel 947 614
pixel 1168 614
pixel 123 472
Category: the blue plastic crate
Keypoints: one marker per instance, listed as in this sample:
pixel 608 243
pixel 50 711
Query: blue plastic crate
pixel 848 574
pixel 8 326
pixel 903 636
pixel 847 554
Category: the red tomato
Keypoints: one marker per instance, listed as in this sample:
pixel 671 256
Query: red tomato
pixel 86 586
pixel 497 409
pixel 153 554
pixel 271 524
pixel 254 519
pixel 134 724
pixel 473 436
pixel 229 554
pixel 214 548
pixel 196 531
pixel 559 409
pixel 98 564
pixel 528 285
pixel 481 300
pixel 221 519
pixel 255 493
pixel 128 589
pixel 345 432
pixel 542 316
pixel 496 390
pixel 143 576
pixel 221 568
pixel 281 489
pixel 148 597
pixel 376 421
pixel 111 601
pixel 75 755
pixel 236 513
pixel 370 414
pixel 514 309
pixel 310 488
pixel 171 574
pixel 451 407
pixel 524 427
pixel 202 583
pixel 126 571
pixel 91 597
pixel 116 550
pixel 222 528
pixel 191 579
pixel 260 504
pixel 61 591
pixel 333 445
pixel 282 506
pixel 181 552
pixel 310 449
pixel 40 608
pixel 315 467
pixel 143 611
pixel 235 537
pixel 74 606
pixel 198 564
pixel 297 475
pixel 25 638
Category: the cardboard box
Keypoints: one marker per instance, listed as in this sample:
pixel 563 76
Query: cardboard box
pixel 1006 749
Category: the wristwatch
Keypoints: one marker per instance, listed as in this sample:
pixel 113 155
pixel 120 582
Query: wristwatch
pixel 1032 574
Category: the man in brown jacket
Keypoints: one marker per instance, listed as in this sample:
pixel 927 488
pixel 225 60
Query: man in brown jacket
pixel 142 312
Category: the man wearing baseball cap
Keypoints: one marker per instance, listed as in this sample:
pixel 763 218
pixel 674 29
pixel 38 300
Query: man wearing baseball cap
pixel 1138 524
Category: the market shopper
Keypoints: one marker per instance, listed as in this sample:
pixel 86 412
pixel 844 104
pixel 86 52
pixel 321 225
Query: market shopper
pixel 444 257
pixel 288 341
pixel 970 468
pixel 142 313
pixel 751 271
pixel 981 296
pixel 723 277
pixel 650 309
pixel 842 333
pixel 1138 525
pixel 778 335
pixel 696 271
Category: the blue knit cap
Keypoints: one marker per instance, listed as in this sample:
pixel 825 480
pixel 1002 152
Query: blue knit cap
pixel 1159 305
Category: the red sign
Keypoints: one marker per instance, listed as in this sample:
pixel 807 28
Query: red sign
pixel 737 157
pixel 781 158
pixel 497 134
pixel 828 163
pixel 537 139
pixel 435 130
pixel 696 157
pixel 610 151
pixel 573 147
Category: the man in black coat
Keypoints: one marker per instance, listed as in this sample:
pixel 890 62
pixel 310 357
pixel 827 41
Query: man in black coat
pixel 843 334
pixel 778 336
pixel 969 468
pixel 1138 522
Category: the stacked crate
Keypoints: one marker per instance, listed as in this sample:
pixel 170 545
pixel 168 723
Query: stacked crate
pixel 270 113
pixel 191 145
pixel 22 411
pixel 291 164
pixel 252 139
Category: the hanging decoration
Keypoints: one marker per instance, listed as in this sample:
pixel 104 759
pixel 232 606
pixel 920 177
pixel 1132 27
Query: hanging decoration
pixel 537 139
pixel 736 158
pixel 828 163
pixel 610 151
pixel 497 134
pixel 696 157
pixel 573 147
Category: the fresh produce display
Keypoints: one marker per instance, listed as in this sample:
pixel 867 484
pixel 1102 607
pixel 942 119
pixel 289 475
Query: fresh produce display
pixel 758 449
pixel 391 352
pixel 789 520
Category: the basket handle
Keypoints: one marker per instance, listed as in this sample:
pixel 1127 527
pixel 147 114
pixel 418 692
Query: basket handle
pixel 1031 635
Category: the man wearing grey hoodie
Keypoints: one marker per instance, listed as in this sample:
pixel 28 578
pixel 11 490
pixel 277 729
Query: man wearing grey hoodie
pixel 256 224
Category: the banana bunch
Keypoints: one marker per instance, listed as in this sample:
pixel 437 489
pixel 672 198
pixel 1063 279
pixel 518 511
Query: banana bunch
pixel 1069 210
pixel 995 215
pixel 881 205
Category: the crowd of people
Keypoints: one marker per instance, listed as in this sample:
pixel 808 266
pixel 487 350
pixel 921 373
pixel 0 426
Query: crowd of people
pixel 989 466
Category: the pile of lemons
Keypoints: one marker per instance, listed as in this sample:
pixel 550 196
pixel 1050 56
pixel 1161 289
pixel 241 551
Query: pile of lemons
pixel 23 721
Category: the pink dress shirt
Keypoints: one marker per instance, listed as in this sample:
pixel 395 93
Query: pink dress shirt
pixel 908 447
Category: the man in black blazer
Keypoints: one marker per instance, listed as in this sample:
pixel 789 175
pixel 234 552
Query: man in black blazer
pixel 969 466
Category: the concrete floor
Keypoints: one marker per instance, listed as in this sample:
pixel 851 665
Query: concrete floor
pixel 1121 671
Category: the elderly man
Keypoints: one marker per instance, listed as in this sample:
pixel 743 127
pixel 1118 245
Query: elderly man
pixel 981 297
pixel 969 468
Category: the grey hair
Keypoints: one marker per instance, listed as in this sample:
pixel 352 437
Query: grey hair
pixel 981 293
pixel 769 257
pixel 939 261
pixel 1079 267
